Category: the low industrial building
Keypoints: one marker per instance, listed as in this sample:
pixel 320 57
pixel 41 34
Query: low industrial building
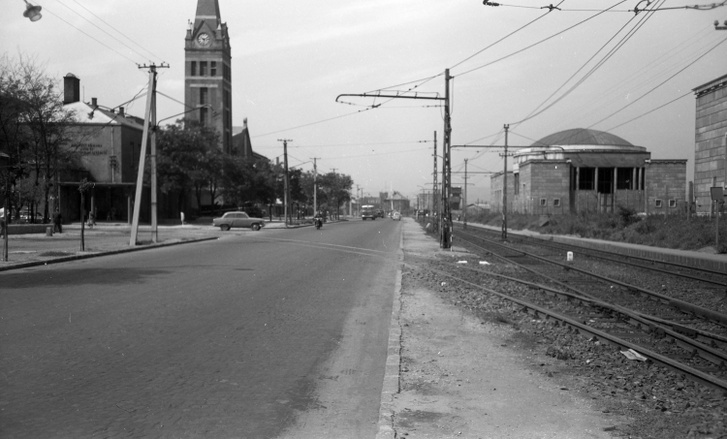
pixel 584 170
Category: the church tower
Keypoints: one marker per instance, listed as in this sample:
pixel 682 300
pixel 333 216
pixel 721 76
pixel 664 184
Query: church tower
pixel 208 71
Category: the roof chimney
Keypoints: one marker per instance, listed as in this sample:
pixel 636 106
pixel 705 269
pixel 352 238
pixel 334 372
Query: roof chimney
pixel 94 102
pixel 121 112
pixel 71 89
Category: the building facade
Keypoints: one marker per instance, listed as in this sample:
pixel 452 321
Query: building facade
pixel 582 170
pixel 710 155
pixel 208 72
pixel 104 150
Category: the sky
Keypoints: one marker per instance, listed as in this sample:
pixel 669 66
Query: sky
pixel 588 64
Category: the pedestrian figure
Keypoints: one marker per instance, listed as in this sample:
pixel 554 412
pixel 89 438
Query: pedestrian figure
pixel 58 222
pixel 2 221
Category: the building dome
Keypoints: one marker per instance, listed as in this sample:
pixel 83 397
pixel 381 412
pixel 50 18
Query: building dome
pixel 583 136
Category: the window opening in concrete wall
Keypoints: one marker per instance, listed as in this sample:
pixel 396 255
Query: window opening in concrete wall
pixel 605 180
pixel 193 69
pixel 672 203
pixel 587 179
pixel 556 202
pixel 543 202
pixel 657 203
pixel 624 177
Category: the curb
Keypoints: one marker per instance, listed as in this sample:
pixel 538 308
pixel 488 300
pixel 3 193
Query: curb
pixel 392 372
pixel 102 253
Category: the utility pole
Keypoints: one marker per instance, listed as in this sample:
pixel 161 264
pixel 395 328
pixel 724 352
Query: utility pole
pixel 504 189
pixel 149 124
pixel 445 232
pixel 285 167
pixel 504 175
pixel 464 208
pixel 434 183
pixel 315 186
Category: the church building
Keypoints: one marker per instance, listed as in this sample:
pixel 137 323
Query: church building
pixel 208 71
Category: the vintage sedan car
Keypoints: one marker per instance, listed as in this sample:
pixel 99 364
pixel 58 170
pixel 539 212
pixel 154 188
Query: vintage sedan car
pixel 238 219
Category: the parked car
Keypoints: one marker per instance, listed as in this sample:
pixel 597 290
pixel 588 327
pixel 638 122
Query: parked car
pixel 238 219
pixel 395 215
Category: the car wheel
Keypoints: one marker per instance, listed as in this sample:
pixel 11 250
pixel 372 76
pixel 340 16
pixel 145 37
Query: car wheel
pixel 256 227
pixel 224 227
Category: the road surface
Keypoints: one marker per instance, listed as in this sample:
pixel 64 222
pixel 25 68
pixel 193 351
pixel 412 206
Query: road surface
pixel 277 333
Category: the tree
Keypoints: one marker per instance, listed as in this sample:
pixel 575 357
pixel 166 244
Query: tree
pixel 336 188
pixel 34 126
pixel 188 160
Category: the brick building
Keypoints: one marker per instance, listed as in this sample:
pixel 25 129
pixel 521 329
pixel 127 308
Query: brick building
pixel 710 155
pixel 582 170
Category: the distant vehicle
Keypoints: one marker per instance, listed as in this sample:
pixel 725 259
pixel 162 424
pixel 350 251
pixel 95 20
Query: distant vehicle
pixel 380 213
pixel 238 219
pixel 396 216
pixel 368 212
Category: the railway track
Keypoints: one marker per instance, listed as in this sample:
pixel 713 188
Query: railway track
pixel 681 325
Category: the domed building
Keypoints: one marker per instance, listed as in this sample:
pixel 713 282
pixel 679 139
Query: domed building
pixel 584 170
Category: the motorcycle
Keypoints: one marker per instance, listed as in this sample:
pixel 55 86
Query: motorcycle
pixel 318 222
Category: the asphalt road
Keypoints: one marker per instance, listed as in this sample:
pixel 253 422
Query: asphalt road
pixel 278 333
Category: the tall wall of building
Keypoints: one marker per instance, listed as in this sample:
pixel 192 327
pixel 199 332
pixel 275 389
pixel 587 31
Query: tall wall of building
pixel 710 155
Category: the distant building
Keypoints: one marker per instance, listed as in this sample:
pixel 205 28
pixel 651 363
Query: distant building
pixel 710 154
pixel 396 201
pixel 583 170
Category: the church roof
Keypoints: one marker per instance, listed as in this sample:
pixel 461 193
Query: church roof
pixel 582 136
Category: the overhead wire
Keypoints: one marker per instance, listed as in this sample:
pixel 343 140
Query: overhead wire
pixel 537 43
pixel 542 107
pixel 660 84
pixel 103 30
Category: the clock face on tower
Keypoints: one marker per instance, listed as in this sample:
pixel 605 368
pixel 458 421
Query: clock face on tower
pixel 203 39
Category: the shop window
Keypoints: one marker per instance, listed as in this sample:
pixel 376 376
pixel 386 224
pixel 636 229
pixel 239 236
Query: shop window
pixel 658 203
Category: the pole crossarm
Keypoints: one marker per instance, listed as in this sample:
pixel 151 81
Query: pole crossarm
pixel 492 146
pixel 392 96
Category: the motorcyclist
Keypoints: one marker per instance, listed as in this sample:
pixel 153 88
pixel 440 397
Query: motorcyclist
pixel 318 220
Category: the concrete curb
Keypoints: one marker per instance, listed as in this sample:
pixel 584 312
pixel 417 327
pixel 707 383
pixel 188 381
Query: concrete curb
pixel 102 253
pixel 393 359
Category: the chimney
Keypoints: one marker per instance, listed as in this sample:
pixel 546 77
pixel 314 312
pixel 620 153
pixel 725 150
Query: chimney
pixel 71 89
pixel 121 112
pixel 94 102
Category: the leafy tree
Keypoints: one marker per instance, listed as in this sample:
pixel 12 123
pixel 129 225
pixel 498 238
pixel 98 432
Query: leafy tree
pixel 188 161
pixel 34 126
pixel 336 189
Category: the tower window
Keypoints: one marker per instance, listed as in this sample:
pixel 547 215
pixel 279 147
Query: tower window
pixel 193 69
pixel 213 68
pixel 203 68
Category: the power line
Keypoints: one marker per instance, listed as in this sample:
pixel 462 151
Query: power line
pixel 91 36
pixel 588 74
pixel 541 41
pixel 659 85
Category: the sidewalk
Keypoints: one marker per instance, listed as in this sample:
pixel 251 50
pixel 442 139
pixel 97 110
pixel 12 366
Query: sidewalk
pixel 103 238
pixel 455 377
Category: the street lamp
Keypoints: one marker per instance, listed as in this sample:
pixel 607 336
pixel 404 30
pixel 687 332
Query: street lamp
pixel 32 12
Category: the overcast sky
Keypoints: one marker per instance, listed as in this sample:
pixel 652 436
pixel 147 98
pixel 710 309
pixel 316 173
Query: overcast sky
pixel 610 71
